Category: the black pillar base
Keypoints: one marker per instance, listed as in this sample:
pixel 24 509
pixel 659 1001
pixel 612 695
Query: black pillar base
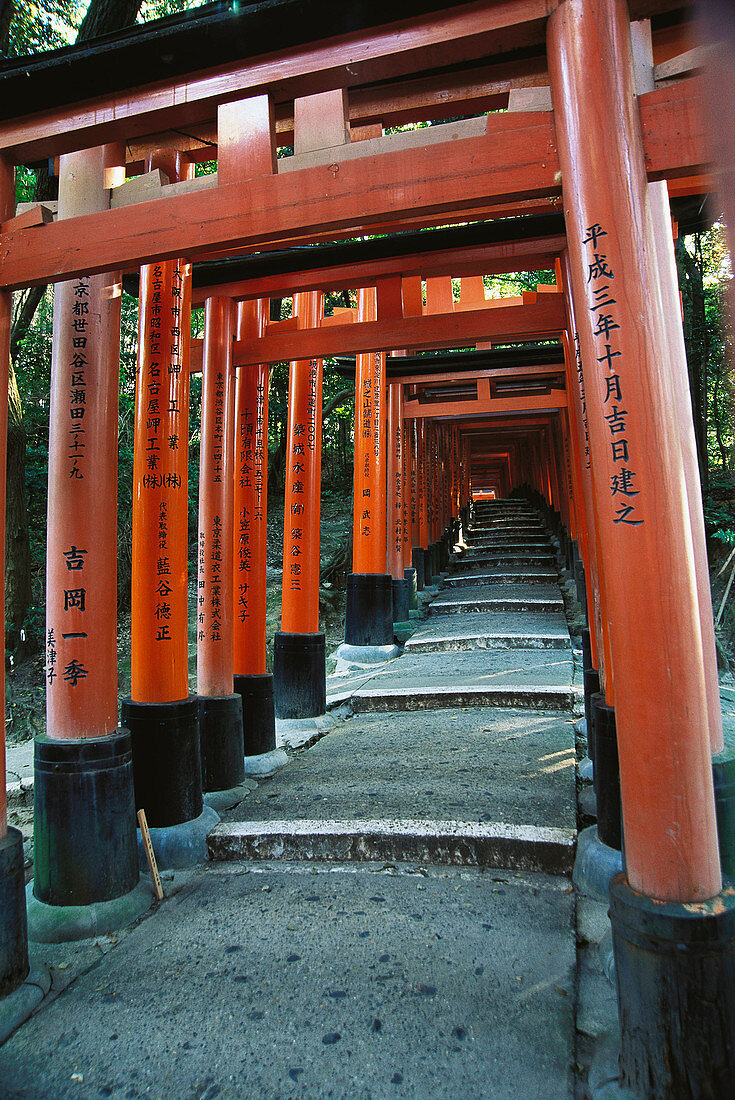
pixel 433 569
pixel 369 609
pixel 258 713
pixel 607 774
pixel 410 573
pixel 418 559
pixel 723 774
pixel 586 649
pixel 591 680
pixel 85 847
pixel 401 598
pixel 579 579
pixel 167 767
pixel 675 972
pixel 429 568
pixel 13 920
pixel 221 742
pixel 299 675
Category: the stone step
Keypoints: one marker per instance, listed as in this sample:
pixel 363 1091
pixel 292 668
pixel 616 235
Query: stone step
pixel 509 524
pixel 533 574
pixel 490 630
pixel 527 678
pixel 473 560
pixel 507 597
pixel 513 532
pixel 514 545
pixel 441 786
pixel 485 844
pixel 432 697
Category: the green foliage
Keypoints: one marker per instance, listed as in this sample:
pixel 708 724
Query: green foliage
pixel 47 25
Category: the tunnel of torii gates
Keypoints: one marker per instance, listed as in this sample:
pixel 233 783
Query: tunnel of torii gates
pixel 578 129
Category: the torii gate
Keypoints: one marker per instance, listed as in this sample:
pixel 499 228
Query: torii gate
pixel 608 115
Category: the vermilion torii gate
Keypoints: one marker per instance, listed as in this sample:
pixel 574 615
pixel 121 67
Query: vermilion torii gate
pixel 586 118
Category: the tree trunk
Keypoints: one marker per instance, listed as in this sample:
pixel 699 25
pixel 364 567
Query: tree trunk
pixel 20 640
pixel 696 342
pixel 105 16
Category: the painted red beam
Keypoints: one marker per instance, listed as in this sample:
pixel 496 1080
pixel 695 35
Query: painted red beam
pixel 488 406
pixel 463 34
pixel 536 255
pixel 541 319
pixel 515 159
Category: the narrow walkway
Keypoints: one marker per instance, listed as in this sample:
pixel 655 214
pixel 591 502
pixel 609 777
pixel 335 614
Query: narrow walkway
pixel 391 915
pixel 459 751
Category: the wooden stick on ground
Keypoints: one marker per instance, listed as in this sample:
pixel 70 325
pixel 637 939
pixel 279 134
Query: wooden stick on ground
pixel 150 855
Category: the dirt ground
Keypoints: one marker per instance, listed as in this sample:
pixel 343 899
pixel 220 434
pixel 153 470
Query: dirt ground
pixel 26 703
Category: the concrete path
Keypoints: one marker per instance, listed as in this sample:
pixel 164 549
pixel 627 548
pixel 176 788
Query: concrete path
pixel 391 915
pixel 312 981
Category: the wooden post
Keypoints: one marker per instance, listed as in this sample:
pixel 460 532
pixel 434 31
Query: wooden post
pixel 599 633
pixel 85 845
pixel 299 666
pixel 369 596
pixel 646 549
pixel 161 715
pixel 401 582
pixel 394 527
pixel 220 709
pixel 13 919
pixel 252 681
pixel 674 343
pixel 81 567
pixel 368 538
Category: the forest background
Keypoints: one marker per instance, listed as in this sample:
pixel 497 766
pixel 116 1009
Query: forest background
pixel 31 26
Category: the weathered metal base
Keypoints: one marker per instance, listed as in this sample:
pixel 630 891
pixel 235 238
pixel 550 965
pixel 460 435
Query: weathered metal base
pixel 299 675
pixel 167 769
pixel 258 713
pixel 13 923
pixel 675 970
pixel 222 746
pixel 84 820
pixel 369 609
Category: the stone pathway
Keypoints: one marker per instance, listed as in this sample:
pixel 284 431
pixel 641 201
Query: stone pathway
pixel 391 915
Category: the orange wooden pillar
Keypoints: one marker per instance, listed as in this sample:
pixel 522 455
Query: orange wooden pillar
pixel 423 511
pixel 408 501
pixel 220 707
pixel 84 829
pixel 299 660
pixel 394 528
pixel 414 501
pixel 369 596
pixel 161 714
pixel 647 556
pixel 13 919
pixel 252 681
pixel 409 506
pixel 434 494
pixel 599 657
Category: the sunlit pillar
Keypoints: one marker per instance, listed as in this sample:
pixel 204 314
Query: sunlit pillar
pixel 648 561
pixel 369 596
pixel 299 661
pixel 220 708
pixel 161 714
pixel 252 681
pixel 84 811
